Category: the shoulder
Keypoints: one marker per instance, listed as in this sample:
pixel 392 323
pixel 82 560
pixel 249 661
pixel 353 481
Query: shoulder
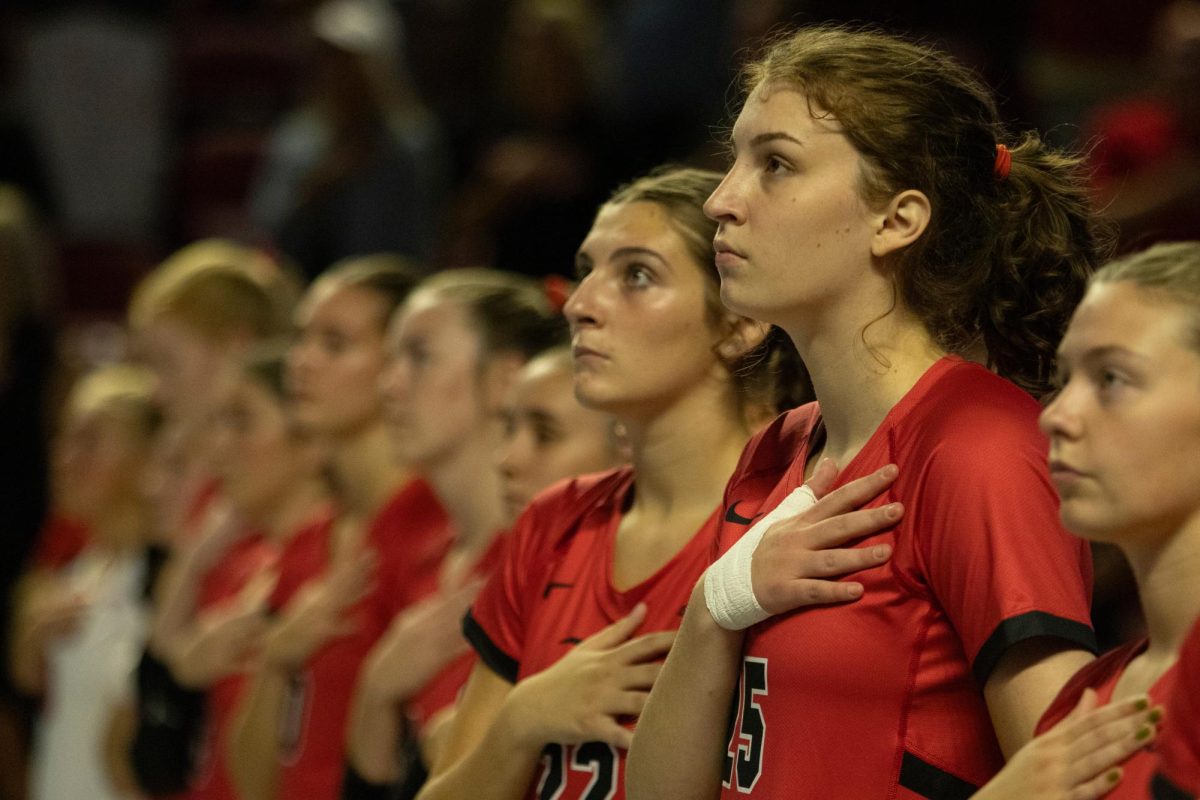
pixel 1102 672
pixel 554 515
pixel 972 421
pixel 776 447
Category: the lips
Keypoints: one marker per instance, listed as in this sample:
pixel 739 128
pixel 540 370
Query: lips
pixel 581 352
pixel 1063 474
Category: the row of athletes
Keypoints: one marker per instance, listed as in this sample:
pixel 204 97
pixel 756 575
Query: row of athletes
pixel 875 214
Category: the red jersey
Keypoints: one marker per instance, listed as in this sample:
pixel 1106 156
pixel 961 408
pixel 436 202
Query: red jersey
pixel 555 589
pixel 222 583
pixel 58 542
pixel 442 691
pixel 1178 774
pixel 313 734
pixel 1102 676
pixel 883 697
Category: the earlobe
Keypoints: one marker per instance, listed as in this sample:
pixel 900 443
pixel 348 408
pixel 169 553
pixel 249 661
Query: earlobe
pixel 902 222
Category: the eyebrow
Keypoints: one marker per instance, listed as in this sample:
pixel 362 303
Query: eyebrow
pixel 1094 354
pixel 765 138
pixel 583 258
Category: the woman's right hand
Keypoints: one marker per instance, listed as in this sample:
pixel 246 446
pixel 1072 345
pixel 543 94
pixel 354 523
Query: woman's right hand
pixel 582 696
pixel 794 561
pixel 317 613
pixel 1077 759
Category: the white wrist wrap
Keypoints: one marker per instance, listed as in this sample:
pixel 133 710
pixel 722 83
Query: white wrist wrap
pixel 728 591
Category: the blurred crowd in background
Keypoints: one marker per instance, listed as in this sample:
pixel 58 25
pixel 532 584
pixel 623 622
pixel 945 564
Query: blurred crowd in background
pixel 455 133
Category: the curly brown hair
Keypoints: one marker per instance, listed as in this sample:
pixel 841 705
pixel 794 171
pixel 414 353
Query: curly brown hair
pixel 1003 261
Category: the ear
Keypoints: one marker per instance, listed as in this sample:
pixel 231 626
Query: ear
pixel 744 335
pixel 901 223
pixel 498 377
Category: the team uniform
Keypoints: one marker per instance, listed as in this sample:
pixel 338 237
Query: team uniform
pixel 1102 676
pixel 1178 773
pixel 410 535
pixel 58 542
pixel 222 584
pixel 555 589
pixel 883 697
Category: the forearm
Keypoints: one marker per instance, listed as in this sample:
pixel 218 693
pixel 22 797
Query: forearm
pixel 176 604
pixel 375 730
pixel 253 745
pixel 677 745
pixel 500 767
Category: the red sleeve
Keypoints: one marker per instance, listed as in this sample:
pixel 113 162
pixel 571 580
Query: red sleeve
pixel 495 625
pixel 58 542
pixel 994 552
pixel 1179 744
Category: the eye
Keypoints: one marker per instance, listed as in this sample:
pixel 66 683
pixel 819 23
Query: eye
pixel 582 270
pixel 774 165
pixel 546 434
pixel 333 342
pixel 638 275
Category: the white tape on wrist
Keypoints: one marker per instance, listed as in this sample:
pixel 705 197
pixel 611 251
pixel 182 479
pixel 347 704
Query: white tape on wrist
pixel 728 590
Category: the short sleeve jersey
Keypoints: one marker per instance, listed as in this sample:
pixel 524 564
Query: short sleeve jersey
pixel 58 542
pixel 883 697
pixel 313 731
pixel 241 561
pixel 1102 675
pixel 1178 773
pixel 555 589
pixel 442 690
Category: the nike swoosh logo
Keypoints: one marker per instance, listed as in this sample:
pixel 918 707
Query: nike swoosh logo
pixel 732 516
pixel 551 586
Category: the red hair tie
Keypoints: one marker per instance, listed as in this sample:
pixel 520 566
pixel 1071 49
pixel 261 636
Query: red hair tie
pixel 557 289
pixel 1003 162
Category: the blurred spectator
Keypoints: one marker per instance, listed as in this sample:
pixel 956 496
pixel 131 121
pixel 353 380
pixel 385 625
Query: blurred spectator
pixel 1147 153
pixel 359 167
pixel 539 173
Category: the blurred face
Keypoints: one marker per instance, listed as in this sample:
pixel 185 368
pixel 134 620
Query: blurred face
pixel 1125 428
pixel 333 368
pixel 191 371
pixel 259 456
pixel 548 434
pixel 641 336
pixel 431 387
pixel 793 233
pixel 98 458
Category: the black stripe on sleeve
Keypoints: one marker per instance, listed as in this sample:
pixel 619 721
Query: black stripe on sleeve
pixel 932 782
pixel 497 660
pixel 1029 626
pixel 1162 789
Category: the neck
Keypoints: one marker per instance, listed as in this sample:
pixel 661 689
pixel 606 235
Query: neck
pixel 1166 577
pixel 301 505
pixel 862 362
pixel 468 485
pixel 365 471
pixel 684 454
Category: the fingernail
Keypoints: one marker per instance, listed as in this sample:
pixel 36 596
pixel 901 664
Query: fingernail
pixel 890 471
pixel 893 510
pixel 855 589
pixel 880 551
pixel 1113 776
pixel 1142 704
pixel 1155 715
pixel 1143 733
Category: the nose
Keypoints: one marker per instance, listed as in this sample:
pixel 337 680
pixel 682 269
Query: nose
pixel 393 379
pixel 1060 418
pixel 299 360
pixel 582 308
pixel 725 203
pixel 515 452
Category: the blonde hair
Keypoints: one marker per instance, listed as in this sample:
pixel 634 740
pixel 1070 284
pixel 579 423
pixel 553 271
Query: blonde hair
pixel 1170 270
pixel 219 288
pixel 122 387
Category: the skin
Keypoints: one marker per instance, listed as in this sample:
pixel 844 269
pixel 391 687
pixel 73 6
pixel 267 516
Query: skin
pixel 638 283
pixel 442 394
pixel 789 208
pixel 548 434
pixel 332 372
pixel 1122 428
